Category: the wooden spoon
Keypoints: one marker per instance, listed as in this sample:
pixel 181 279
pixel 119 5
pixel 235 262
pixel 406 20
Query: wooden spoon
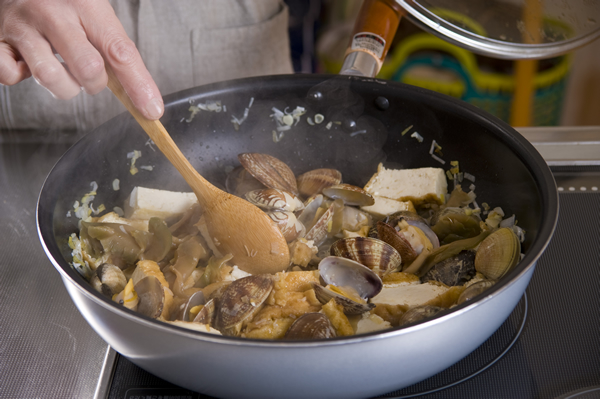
pixel 235 225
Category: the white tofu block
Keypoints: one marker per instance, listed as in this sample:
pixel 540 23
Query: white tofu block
pixel 144 203
pixel 409 294
pixel 384 207
pixel 423 185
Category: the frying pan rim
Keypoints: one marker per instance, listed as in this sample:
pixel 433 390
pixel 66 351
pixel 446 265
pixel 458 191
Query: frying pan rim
pixel 516 142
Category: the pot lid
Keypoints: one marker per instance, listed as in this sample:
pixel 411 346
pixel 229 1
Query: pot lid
pixel 509 29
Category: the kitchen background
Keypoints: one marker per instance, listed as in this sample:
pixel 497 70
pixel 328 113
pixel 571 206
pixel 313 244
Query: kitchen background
pixel 567 88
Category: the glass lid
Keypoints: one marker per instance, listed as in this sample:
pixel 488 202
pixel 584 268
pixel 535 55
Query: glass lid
pixel 509 29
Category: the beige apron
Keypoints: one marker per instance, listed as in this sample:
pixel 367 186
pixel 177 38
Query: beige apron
pixel 184 43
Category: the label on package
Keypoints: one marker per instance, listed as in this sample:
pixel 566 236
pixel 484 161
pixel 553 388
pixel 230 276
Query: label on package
pixel 369 42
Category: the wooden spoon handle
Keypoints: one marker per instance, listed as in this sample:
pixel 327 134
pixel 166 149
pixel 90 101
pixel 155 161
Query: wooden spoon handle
pixel 157 132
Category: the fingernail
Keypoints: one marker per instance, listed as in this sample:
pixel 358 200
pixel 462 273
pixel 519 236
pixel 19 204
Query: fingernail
pixel 154 109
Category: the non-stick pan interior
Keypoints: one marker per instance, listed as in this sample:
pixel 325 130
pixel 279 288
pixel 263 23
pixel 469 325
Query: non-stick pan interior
pixel 363 124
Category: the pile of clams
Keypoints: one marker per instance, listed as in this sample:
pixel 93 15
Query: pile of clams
pixel 342 258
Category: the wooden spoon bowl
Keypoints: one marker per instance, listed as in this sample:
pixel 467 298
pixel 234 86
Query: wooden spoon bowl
pixel 234 225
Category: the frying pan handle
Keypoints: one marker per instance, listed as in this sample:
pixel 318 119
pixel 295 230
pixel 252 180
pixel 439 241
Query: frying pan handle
pixel 372 36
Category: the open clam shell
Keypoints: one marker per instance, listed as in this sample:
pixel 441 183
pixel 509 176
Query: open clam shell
pixel 207 313
pixel 349 306
pixel 240 302
pixel 371 252
pixel 498 253
pixel 415 220
pixel 308 216
pixel 270 171
pixel 311 326
pixel 314 181
pixel 195 299
pixel 319 231
pixel 342 272
pixel 351 195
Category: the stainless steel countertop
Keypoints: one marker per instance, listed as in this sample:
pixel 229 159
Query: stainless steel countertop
pixel 46 347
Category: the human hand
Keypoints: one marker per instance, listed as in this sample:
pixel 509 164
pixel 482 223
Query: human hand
pixel 86 34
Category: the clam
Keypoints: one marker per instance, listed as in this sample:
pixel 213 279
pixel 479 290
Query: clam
pixel 498 253
pixel 351 195
pixel 387 233
pixel 308 217
pixel 314 181
pixel 456 270
pixel 350 284
pixel 240 181
pixel 344 272
pixel 354 219
pixel 287 223
pixel 350 306
pixel 412 219
pixel 373 253
pixel 418 313
pixel 151 297
pixel 270 171
pixel 311 326
pixel 206 315
pixel 274 199
pixel 196 299
pixel 472 291
pixel 241 300
pixel 108 279
pixel 319 231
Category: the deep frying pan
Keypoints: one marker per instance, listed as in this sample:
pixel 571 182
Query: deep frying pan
pixel 372 114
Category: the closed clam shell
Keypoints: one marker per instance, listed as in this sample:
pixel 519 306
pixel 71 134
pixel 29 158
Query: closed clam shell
pixel 274 199
pixel 314 181
pixel 240 302
pixel 371 252
pixel 311 326
pixel 351 195
pixel 288 224
pixel 270 171
pixel 498 253
pixel 350 307
pixel 343 272
pixel 388 234
pixel 418 313
pixel 473 290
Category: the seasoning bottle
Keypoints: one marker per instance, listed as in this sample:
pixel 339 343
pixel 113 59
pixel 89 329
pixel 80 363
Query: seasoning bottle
pixel 372 36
